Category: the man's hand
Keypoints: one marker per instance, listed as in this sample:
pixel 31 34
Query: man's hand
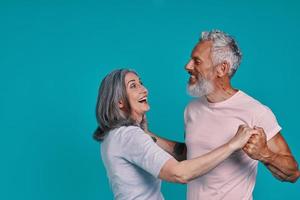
pixel 274 154
pixel 256 146
pixel 243 134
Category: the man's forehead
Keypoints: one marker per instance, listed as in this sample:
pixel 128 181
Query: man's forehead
pixel 202 47
pixel 204 44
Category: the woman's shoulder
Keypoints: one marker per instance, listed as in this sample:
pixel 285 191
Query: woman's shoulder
pixel 129 130
pixel 126 131
pixel 127 135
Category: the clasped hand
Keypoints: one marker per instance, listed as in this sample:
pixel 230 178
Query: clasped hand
pixel 256 147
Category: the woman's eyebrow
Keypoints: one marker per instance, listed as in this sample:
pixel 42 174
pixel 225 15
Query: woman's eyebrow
pixel 130 81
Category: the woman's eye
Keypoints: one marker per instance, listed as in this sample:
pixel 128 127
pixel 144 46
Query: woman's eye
pixel 133 85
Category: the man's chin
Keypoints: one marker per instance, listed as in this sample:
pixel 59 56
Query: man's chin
pixel 192 82
pixel 196 91
pixel 193 91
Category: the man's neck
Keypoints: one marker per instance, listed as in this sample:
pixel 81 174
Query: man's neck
pixel 222 92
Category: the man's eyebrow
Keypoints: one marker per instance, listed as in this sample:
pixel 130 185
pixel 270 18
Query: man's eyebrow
pixel 196 58
pixel 130 81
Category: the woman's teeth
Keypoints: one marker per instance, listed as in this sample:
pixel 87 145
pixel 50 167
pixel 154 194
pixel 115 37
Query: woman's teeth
pixel 144 100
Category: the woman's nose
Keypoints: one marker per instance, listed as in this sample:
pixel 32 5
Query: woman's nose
pixel 144 89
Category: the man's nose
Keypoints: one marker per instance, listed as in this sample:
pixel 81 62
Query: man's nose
pixel 189 65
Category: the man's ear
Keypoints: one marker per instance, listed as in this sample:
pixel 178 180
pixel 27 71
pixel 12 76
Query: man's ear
pixel 222 69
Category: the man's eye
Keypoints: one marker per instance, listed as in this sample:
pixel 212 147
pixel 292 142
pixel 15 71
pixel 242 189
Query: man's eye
pixel 141 83
pixel 197 62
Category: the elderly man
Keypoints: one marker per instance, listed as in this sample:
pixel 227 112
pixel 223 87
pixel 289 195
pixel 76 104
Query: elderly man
pixel 214 118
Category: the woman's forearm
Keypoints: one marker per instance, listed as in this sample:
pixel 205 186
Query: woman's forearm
pixel 187 170
pixel 190 169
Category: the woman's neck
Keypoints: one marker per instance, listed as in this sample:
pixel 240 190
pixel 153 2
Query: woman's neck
pixel 138 118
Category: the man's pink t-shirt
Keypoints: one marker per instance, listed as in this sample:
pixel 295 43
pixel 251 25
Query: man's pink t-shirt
pixel 210 125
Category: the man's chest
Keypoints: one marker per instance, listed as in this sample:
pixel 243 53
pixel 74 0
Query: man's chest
pixel 207 129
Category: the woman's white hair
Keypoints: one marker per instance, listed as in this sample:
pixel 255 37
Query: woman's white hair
pixel 224 48
pixel 109 116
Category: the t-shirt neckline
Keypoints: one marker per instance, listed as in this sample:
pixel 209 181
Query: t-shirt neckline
pixel 222 103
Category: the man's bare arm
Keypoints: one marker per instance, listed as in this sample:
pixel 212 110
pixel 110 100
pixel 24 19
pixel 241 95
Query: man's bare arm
pixel 176 149
pixel 274 154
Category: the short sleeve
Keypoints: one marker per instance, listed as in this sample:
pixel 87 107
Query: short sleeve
pixel 141 150
pixel 185 116
pixel 268 122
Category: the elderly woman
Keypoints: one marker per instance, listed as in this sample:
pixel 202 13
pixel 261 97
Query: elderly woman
pixel 135 164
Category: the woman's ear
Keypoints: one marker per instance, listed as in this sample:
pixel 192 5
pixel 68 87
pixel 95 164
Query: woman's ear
pixel 222 69
pixel 121 104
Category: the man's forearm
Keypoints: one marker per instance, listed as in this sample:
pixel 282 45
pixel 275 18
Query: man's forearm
pixel 281 176
pixel 176 149
pixel 283 167
pixel 275 154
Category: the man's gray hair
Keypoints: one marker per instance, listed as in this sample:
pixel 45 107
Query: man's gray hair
pixel 109 116
pixel 224 48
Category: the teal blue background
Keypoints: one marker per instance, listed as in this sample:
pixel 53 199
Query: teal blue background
pixel 53 55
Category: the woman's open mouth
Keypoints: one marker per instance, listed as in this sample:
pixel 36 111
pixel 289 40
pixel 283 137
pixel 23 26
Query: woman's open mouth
pixel 143 100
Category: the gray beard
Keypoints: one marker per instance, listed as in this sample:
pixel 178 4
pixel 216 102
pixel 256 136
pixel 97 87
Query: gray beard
pixel 201 88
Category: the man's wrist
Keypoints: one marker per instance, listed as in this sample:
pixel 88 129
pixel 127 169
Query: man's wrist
pixel 266 156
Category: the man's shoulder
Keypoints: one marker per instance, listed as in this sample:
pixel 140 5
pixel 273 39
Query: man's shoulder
pixel 254 104
pixel 196 102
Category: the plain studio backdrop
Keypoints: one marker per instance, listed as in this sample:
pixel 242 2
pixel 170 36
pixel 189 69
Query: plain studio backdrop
pixel 53 55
